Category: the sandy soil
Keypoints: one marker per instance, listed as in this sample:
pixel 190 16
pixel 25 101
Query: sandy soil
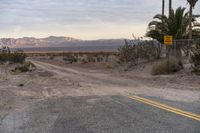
pixel 56 79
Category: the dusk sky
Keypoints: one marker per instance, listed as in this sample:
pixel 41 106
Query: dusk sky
pixel 84 19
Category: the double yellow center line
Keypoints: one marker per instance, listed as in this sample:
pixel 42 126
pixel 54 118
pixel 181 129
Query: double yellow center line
pixel 165 107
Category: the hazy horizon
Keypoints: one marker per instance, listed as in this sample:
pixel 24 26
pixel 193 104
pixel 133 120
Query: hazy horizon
pixel 61 36
pixel 81 19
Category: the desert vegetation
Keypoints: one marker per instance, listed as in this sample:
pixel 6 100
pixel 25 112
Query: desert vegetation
pixel 176 24
pixel 25 67
pixel 196 58
pixel 166 66
pixel 135 51
pixel 17 58
pixel 12 57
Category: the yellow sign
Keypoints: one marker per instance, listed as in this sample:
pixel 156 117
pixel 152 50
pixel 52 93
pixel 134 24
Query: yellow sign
pixel 168 40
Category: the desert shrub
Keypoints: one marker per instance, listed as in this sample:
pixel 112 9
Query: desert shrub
pixel 99 59
pixel 127 53
pixel 135 50
pixel 166 67
pixel 196 58
pixel 15 57
pixel 91 59
pixel 51 57
pixel 25 67
pixel 70 59
pixel 4 54
pixel 3 57
pixel 108 66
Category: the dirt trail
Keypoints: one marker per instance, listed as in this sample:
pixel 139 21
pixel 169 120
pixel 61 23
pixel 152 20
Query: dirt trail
pixel 108 84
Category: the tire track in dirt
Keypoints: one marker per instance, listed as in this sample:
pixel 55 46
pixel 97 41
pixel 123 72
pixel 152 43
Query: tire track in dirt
pixel 105 84
pixel 85 77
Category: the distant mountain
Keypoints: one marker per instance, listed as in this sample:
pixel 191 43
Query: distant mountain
pixel 59 39
pixel 54 41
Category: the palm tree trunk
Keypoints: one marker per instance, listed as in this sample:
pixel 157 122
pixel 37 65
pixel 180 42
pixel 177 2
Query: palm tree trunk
pixel 190 32
pixel 163 7
pixel 190 22
pixel 170 5
pixel 168 48
pixel 163 13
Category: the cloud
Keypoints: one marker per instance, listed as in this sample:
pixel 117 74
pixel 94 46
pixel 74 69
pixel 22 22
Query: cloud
pixel 76 11
pixel 51 15
pixel 17 29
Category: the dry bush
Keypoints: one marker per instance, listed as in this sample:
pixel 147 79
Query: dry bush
pixel 52 57
pixel 196 58
pixel 25 67
pixel 70 59
pixel 166 67
pixel 17 57
pixel 14 57
pixel 109 66
pixel 135 50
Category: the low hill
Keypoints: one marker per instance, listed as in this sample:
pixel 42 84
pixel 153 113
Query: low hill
pixel 54 41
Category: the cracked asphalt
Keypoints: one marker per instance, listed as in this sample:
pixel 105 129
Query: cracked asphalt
pixel 96 114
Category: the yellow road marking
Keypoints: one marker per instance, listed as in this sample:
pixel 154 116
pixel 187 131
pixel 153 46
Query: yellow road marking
pixel 165 107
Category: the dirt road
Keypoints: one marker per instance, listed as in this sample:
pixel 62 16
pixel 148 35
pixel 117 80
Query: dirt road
pixel 102 83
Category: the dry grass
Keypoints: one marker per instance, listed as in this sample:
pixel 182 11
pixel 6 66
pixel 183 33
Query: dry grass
pixel 25 67
pixel 166 67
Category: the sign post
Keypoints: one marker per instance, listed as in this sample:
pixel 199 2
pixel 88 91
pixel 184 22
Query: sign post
pixel 168 41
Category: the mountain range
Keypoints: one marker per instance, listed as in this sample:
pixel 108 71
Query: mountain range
pixel 55 41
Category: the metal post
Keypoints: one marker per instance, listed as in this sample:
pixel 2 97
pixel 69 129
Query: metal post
pixel 168 63
pixel 175 48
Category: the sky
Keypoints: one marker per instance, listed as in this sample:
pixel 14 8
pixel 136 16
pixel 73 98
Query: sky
pixel 83 19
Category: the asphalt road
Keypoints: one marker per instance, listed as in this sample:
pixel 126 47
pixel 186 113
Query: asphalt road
pixel 96 114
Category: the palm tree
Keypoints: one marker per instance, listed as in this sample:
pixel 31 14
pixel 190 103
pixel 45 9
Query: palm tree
pixel 176 24
pixel 192 5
